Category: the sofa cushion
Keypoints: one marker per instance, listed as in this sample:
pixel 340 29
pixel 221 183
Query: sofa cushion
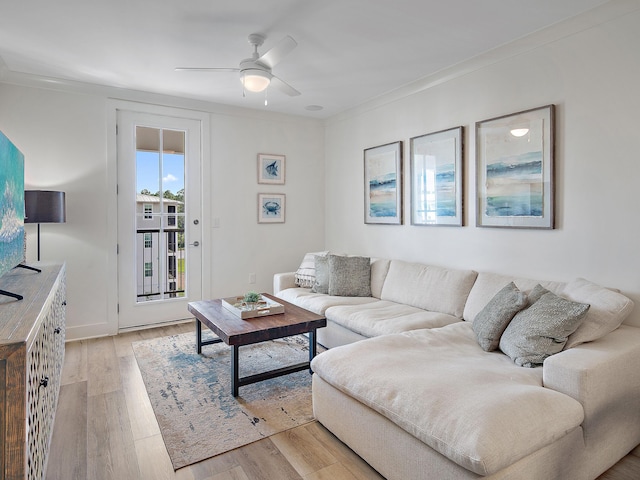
pixel 542 329
pixel 471 406
pixel 431 288
pixel 608 310
pixel 321 283
pixel 379 270
pixel 317 302
pixel 306 274
pixel 349 276
pixel 492 320
pixel 488 284
pixel 383 317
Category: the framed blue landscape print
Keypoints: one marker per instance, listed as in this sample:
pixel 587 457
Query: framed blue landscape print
pixel 271 169
pixel 383 184
pixel 515 170
pixel 271 207
pixel 436 178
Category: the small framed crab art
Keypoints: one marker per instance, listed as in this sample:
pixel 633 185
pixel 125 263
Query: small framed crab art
pixel 271 169
pixel 271 207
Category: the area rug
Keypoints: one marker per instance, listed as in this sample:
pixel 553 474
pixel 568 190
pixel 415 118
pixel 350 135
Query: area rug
pixel 191 394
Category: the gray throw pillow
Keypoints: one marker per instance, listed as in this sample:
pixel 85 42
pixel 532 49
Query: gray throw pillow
pixel 542 329
pixel 535 294
pixel 349 276
pixel 321 283
pixel 492 320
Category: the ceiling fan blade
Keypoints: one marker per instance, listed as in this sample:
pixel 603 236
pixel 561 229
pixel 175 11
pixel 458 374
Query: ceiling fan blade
pixel 278 52
pixel 205 69
pixel 284 87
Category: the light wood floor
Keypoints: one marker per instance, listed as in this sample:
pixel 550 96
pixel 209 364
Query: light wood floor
pixel 105 429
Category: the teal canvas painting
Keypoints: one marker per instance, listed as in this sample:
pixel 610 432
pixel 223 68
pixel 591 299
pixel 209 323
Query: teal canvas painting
pixel 11 205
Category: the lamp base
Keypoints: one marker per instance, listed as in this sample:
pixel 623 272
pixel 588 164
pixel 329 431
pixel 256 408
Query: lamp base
pixel 27 267
pixel 9 294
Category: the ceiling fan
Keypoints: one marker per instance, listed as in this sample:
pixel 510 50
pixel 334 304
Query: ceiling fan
pixel 255 72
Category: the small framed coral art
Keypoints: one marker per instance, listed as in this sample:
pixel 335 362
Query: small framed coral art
pixel 271 169
pixel 271 207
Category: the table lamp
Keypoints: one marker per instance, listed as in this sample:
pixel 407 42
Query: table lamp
pixel 44 206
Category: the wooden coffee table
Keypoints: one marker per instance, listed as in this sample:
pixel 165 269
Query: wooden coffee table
pixel 236 332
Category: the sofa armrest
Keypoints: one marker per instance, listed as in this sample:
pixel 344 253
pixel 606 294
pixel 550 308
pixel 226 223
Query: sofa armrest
pixel 604 376
pixel 282 281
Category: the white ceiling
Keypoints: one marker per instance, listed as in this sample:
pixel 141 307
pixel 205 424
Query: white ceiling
pixel 349 51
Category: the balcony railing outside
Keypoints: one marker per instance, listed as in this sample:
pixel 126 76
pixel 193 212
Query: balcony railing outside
pixel 160 268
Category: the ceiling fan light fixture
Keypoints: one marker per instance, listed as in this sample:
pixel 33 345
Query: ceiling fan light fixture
pixel 519 132
pixel 255 80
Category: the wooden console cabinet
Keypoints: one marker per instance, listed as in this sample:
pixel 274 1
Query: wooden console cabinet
pixel 32 333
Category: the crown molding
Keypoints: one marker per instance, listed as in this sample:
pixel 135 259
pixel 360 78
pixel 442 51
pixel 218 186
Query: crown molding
pixel 10 77
pixel 548 35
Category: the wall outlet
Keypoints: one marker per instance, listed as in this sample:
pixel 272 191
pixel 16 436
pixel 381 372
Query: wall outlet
pixel 252 278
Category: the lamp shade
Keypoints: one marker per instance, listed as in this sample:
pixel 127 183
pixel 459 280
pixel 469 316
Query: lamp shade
pixel 44 206
pixel 255 80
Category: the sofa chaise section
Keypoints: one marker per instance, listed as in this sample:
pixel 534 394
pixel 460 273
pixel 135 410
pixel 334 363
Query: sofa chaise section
pixel 592 391
pixel 433 384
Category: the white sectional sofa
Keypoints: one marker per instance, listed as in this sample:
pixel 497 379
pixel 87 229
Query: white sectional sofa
pixel 406 384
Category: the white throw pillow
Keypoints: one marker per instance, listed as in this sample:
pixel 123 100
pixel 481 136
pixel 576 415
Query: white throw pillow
pixel 306 274
pixel 608 310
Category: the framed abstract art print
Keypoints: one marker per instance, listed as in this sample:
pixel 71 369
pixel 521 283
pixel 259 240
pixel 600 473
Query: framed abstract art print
pixel 436 178
pixel 383 184
pixel 515 170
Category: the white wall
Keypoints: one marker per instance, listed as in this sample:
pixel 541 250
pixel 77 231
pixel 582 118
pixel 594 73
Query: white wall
pixel 64 135
pixel 590 69
pixel 63 139
pixel 241 245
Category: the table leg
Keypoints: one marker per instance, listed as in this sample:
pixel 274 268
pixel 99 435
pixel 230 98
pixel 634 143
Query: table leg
pixel 198 336
pixel 235 377
pixel 313 347
pixel 201 343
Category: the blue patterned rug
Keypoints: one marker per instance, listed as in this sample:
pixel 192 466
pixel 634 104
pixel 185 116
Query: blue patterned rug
pixel 191 394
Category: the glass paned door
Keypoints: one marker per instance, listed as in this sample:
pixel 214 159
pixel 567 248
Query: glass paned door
pixel 159 260
pixel 160 248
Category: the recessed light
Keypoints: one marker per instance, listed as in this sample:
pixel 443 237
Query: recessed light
pixel 313 108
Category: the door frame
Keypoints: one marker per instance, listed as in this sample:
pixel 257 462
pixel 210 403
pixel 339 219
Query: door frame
pixel 113 106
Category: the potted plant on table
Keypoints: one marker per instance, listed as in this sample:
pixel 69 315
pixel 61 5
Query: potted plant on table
pixel 251 299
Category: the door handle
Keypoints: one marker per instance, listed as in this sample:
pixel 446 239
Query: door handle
pixel 195 244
